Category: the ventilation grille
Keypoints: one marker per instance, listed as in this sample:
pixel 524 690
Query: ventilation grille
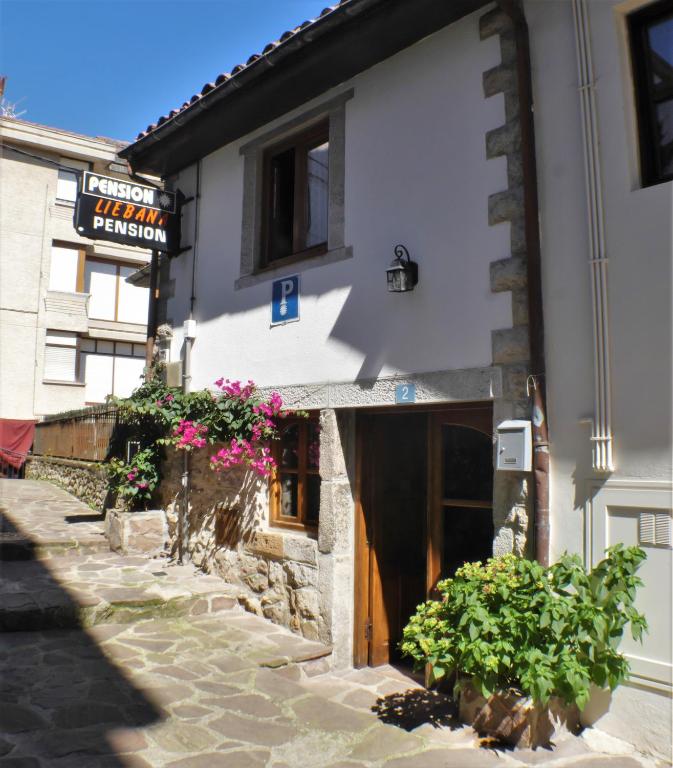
pixel 655 528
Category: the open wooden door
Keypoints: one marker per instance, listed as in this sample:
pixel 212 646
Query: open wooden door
pixel 390 530
pixel 460 499
pixel 423 506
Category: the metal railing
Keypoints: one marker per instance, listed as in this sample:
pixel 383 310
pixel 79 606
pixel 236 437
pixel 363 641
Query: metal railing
pixel 83 435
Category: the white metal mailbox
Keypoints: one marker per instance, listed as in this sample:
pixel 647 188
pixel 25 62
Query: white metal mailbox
pixel 515 446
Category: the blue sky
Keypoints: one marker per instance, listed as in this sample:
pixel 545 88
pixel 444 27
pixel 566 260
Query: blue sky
pixel 111 67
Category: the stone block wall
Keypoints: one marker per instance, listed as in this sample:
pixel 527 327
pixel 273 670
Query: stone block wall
pixel 87 480
pixel 286 576
pixel 512 518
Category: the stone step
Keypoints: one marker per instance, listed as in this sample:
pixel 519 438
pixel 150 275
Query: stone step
pixel 87 590
pixel 16 546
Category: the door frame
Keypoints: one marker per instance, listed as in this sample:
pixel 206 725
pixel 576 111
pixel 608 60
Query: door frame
pixel 476 415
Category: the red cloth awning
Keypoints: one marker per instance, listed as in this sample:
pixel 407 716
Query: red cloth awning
pixel 16 437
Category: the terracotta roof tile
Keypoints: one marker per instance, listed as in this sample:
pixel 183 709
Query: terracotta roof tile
pixel 226 76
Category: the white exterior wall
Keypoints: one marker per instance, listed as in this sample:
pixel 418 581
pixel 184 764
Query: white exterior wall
pixel 31 219
pixel 414 129
pixel 590 511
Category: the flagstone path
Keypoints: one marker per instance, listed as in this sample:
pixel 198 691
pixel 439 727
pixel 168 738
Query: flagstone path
pixel 112 678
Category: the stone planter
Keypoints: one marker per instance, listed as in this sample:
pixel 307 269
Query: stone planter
pixel 513 719
pixel 143 533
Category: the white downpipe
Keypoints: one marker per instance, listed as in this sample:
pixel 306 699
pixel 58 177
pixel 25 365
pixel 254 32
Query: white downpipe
pixel 598 261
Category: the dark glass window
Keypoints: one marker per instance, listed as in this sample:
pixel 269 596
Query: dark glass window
pixel 467 465
pixel 651 32
pixel 295 485
pixel 295 194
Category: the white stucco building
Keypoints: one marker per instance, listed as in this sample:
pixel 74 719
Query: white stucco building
pixel 72 330
pixel 408 123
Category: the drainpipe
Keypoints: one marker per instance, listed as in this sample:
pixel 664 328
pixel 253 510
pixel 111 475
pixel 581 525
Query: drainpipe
pixel 152 314
pixel 537 384
pixel 598 261
pixel 189 334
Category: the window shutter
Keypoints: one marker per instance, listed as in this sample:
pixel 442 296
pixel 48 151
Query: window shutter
pixel 66 186
pixel 63 271
pixel 60 363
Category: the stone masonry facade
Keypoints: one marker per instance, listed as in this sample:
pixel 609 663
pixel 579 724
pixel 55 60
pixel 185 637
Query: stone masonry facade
pixel 512 518
pixel 290 578
pixel 87 480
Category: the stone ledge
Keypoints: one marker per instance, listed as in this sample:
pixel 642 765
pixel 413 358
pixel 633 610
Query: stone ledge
pixel 465 385
pixel 95 466
pixel 505 206
pixel 499 79
pixel 508 274
pixel 510 345
pixel 494 22
pixel 503 140
pixel 282 546
pixel 137 532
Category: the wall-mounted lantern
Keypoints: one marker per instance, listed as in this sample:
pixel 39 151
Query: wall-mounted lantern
pixel 402 274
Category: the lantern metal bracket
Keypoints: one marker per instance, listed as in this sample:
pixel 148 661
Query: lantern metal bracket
pixel 402 275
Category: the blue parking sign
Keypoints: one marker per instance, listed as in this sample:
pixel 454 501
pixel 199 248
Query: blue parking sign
pixel 285 300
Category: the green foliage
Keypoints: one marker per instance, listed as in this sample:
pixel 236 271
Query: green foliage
pixel 513 624
pixel 135 481
pixel 157 415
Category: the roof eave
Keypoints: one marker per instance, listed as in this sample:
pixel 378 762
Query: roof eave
pixel 376 28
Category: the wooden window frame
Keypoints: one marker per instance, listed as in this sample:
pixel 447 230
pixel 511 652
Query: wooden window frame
pixel 646 100
pixel 303 471
pixel 302 143
pixel 118 265
pixel 114 355
pixel 81 261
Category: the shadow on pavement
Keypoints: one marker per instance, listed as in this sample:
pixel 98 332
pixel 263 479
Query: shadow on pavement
pixel 92 518
pixel 415 707
pixel 62 702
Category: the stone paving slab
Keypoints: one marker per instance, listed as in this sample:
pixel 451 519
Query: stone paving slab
pixel 87 589
pixel 189 693
pixel 201 684
pixel 38 520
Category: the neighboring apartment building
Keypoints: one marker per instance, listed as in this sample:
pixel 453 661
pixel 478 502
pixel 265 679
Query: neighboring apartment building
pixel 405 122
pixel 72 330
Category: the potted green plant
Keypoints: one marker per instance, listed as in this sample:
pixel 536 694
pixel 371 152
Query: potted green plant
pixel 525 643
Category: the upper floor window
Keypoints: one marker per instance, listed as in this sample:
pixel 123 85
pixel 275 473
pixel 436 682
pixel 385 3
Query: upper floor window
pixel 68 179
pixel 295 485
pixel 651 32
pixel 111 297
pixel 66 272
pixel 66 186
pixel 60 356
pixel 295 194
pixel 110 368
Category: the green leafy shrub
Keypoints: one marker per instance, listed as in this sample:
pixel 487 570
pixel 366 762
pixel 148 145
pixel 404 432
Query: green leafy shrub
pixel 513 624
pixel 137 480
pixel 156 415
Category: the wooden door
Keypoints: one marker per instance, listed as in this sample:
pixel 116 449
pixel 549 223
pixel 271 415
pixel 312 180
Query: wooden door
pixel 390 530
pixel 423 502
pixel 460 498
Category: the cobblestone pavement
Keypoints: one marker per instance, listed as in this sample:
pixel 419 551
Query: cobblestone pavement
pixel 48 519
pixel 208 689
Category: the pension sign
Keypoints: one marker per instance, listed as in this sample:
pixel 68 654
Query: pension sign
pixel 127 213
